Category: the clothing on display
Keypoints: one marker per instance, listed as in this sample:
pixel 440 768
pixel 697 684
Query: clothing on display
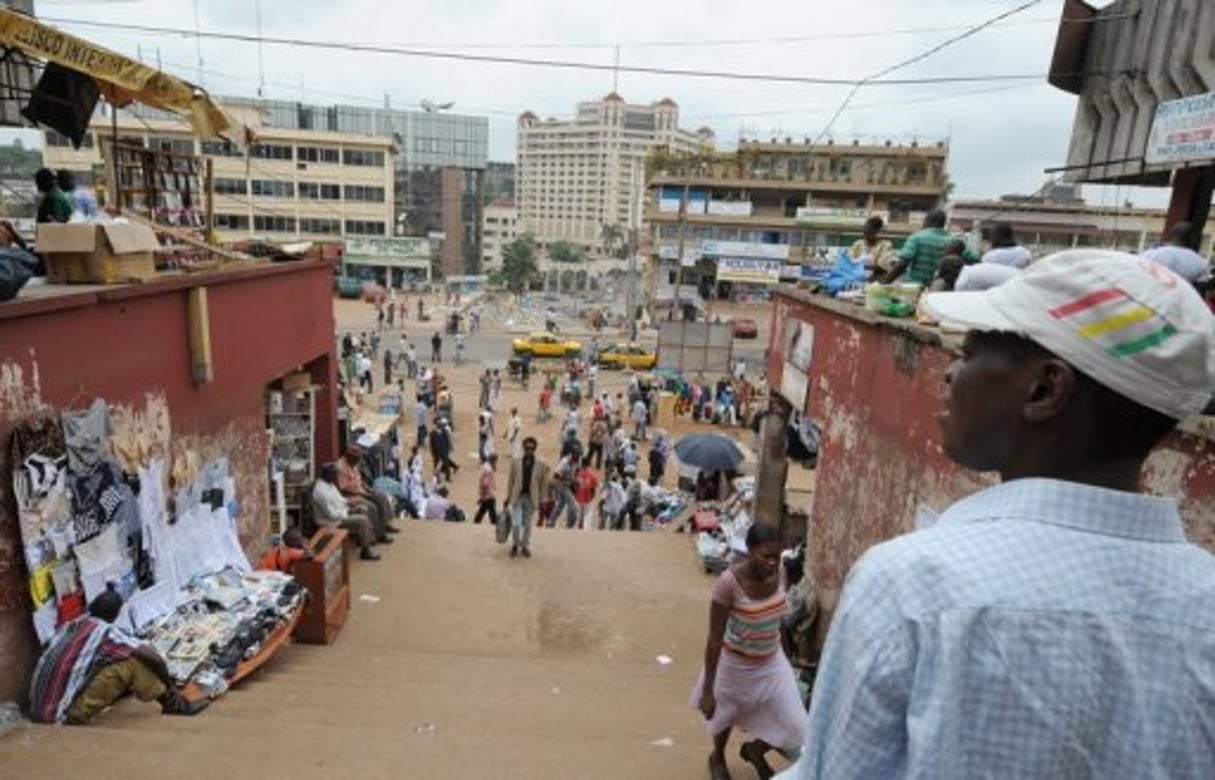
pixel 86 435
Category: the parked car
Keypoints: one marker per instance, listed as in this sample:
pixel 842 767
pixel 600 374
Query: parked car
pixel 745 328
pixel 546 345
pixel 627 355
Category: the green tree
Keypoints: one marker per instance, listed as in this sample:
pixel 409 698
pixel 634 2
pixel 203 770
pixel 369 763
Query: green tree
pixel 568 278
pixel 612 237
pixel 565 252
pixel 519 262
pixel 17 162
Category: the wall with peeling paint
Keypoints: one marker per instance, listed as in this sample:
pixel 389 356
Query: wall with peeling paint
pixel 129 345
pixel 875 387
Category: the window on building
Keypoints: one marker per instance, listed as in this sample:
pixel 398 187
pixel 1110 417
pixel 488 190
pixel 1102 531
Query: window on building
pixel 324 227
pixel 315 191
pixel 317 154
pixel 363 157
pixel 226 186
pixel 219 148
pixel 55 138
pixel 363 193
pixel 360 227
pixel 274 224
pixel 231 222
pixel 169 144
pixel 268 188
pixel 270 152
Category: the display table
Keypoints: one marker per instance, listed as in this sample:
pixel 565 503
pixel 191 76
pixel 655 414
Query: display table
pixel 274 641
pixel 327 579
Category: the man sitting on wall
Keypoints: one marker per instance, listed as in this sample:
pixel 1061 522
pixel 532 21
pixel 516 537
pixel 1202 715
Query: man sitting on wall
pixel 921 253
pixel 377 505
pixel 90 664
pixel 330 507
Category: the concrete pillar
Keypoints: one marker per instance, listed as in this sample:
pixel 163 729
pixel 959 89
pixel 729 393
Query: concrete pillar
pixel 773 465
pixel 1191 201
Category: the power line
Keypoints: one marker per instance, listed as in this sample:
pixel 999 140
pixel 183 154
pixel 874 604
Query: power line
pixel 876 78
pixel 868 106
pixel 562 64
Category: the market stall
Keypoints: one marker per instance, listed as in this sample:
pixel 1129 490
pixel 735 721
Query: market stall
pixel 98 513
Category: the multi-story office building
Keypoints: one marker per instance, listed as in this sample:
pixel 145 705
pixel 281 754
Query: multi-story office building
pixel 578 175
pixel 294 184
pixel 439 172
pixel 1059 218
pixel 501 228
pixel 730 222
pixel 499 181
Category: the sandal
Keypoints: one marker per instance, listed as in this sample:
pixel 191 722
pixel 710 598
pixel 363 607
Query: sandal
pixel 753 754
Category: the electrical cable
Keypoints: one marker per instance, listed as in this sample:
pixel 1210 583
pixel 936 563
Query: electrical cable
pixel 875 78
pixel 569 64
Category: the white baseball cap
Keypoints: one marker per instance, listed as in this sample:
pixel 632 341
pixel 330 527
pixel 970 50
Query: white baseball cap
pixel 1125 321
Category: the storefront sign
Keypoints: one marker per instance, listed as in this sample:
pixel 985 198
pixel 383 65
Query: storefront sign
pixel 744 269
pixel 744 249
pixel 398 252
pixel 1183 130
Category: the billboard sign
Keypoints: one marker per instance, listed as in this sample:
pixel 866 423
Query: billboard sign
pixel 1183 130
pixel 740 269
pixel 696 347
pixel 744 249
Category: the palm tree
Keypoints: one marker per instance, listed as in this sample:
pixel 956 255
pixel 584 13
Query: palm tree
pixel 612 238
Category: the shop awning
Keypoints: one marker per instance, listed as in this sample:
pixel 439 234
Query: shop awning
pixel 120 79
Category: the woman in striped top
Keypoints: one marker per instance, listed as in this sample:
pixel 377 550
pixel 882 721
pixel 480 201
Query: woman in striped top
pixel 747 682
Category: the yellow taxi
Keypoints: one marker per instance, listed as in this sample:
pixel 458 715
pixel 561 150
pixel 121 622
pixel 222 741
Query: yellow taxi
pixel 546 345
pixel 635 356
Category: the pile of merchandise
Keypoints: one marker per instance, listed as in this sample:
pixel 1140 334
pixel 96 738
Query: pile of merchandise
pixel 224 619
pixel 667 506
pixel 720 527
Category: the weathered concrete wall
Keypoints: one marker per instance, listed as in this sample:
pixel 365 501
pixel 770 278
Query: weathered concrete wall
pixel 875 387
pixel 129 346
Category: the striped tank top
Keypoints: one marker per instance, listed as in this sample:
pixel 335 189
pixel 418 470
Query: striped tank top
pixel 753 628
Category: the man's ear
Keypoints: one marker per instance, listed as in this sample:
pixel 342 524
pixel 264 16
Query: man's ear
pixel 1051 388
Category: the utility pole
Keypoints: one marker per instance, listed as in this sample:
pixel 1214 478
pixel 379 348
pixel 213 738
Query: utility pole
pixel 630 296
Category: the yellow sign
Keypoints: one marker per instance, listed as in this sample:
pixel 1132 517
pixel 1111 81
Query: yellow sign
pixel 121 79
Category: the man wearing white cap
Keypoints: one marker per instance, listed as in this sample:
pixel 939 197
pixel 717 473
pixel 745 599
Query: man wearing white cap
pixel 1058 624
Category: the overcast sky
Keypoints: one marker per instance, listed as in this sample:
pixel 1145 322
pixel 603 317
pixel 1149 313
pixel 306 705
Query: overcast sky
pixel 1002 134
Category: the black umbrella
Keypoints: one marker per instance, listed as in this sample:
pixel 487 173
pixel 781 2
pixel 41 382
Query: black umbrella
pixel 709 452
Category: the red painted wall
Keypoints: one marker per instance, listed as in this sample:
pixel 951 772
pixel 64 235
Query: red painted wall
pixel 122 343
pixel 875 386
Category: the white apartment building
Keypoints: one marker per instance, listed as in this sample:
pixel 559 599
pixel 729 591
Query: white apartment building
pixel 577 175
pixel 294 185
pixel 499 227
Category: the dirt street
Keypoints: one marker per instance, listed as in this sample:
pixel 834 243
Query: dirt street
pixel 456 662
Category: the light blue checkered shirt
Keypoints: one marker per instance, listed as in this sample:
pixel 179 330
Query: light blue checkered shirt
pixel 1041 629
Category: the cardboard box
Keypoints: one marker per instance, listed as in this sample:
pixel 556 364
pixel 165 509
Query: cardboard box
pixel 84 253
pixel 301 380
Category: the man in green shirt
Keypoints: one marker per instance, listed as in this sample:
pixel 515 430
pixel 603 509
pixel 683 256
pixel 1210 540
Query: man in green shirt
pixel 55 205
pixel 922 252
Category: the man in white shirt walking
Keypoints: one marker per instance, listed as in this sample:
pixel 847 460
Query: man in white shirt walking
pixel 1058 624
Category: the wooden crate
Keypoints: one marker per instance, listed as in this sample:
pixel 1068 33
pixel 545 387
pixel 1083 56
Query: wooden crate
pixel 327 579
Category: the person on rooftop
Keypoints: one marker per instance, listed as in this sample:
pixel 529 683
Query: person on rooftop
pixel 921 253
